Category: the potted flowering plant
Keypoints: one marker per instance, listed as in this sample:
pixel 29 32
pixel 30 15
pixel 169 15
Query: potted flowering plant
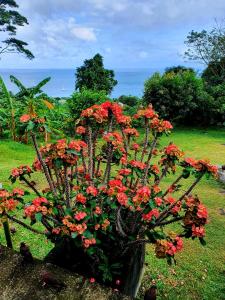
pixel 105 197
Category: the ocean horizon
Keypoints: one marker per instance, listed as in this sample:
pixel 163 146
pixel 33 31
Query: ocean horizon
pixel 62 83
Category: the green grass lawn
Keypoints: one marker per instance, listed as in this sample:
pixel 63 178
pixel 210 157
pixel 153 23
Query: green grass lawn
pixel 200 271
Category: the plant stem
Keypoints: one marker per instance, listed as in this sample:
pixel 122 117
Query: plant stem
pixel 147 131
pixel 24 225
pixel 45 168
pixel 166 212
pixel 5 223
pixel 149 159
pixel 31 186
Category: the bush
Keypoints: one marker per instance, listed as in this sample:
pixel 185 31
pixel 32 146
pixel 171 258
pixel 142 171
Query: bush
pixel 101 207
pixel 180 97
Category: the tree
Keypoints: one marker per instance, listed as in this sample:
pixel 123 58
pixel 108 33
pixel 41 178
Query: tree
pixel 207 47
pixel 180 97
pixel 178 69
pixel 9 21
pixel 214 74
pixel 93 76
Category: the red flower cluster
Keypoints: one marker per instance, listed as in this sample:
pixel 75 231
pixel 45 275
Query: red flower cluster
pixel 26 118
pixel 201 165
pixel 21 171
pixel 147 113
pixel 114 138
pixel 8 201
pixel 39 204
pixel 161 126
pixel 153 213
pixel 66 151
pixel 142 195
pixel 196 216
pixel 131 132
pixel 168 247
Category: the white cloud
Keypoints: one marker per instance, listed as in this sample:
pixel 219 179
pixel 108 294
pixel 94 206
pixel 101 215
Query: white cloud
pixel 84 33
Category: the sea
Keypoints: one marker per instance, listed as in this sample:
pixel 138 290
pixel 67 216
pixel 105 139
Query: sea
pixel 62 83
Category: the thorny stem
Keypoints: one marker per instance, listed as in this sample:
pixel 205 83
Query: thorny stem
pixel 24 225
pixel 67 187
pixel 147 131
pixel 149 159
pixel 166 212
pixel 30 186
pixel 173 184
pixel 47 175
pixel 90 152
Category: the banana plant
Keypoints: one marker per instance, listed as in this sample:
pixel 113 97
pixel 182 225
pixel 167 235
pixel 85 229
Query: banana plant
pixel 7 105
pixel 32 98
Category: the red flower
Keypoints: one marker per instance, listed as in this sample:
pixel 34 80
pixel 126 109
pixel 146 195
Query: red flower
pixel 80 216
pixel 81 198
pixel 198 231
pixel 131 132
pixel 158 201
pixel 124 172
pixel 91 190
pixel 115 183
pixel 135 147
pixel 80 130
pixel 202 212
pixel 92 280
pixel 38 201
pixel 18 192
pixel 122 199
pixel 153 213
pixel 137 164
pixel 24 118
pixel 98 210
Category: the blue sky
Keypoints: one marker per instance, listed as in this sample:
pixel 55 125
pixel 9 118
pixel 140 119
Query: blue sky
pixel 128 33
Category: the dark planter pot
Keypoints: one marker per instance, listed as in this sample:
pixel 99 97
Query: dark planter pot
pixel 65 254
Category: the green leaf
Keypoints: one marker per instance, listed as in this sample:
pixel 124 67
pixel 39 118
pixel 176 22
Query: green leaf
pixel 38 217
pixel 202 241
pixel 74 235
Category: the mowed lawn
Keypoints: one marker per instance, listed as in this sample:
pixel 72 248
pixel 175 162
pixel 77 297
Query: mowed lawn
pixel 200 271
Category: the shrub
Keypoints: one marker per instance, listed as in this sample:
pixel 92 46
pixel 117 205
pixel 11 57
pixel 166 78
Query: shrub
pixel 177 96
pixel 105 194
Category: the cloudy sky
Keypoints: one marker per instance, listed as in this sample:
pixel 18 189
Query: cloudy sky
pixel 128 33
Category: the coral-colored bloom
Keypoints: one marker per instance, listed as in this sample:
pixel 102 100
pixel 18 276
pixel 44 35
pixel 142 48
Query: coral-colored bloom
pixel 202 212
pixel 18 192
pixel 80 130
pixel 153 213
pixel 24 118
pixel 198 231
pixel 122 199
pixel 124 172
pixel 80 216
pixel 158 201
pixel 91 190
pixel 81 198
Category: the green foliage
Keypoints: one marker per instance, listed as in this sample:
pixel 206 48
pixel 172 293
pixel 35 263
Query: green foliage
pixel 9 21
pixel 180 97
pixel 129 100
pixel 93 76
pixel 178 69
